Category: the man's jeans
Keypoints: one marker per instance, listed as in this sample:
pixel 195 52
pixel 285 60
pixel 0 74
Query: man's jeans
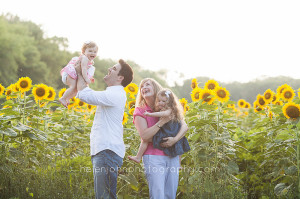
pixel 105 168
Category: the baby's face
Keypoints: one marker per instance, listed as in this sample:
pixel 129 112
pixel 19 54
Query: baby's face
pixel 161 102
pixel 91 53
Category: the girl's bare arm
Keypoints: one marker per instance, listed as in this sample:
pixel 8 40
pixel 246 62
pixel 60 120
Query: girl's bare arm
pixel 165 113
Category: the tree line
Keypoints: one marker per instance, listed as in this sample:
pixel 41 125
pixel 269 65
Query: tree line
pixel 26 51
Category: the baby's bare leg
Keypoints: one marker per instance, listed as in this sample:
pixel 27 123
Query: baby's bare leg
pixel 140 153
pixel 70 92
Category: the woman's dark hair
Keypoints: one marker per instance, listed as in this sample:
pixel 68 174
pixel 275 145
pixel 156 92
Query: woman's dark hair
pixel 126 71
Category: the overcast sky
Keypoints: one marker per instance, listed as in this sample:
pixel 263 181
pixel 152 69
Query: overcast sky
pixel 227 41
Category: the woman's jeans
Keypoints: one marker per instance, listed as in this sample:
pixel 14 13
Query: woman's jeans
pixel 105 168
pixel 162 173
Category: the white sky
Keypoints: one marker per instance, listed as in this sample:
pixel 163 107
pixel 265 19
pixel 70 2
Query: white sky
pixel 233 40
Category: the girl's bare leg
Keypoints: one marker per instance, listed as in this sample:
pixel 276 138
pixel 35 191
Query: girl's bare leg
pixel 140 153
pixel 70 92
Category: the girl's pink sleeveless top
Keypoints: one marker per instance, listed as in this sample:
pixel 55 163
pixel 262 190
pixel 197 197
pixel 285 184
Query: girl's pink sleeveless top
pixel 139 111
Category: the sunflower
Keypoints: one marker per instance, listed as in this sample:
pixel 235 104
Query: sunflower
pixel 268 96
pixel 288 94
pixel 52 94
pixel 24 84
pixel 1 89
pixel 222 94
pixel 207 95
pixel 194 83
pixel 291 110
pixel 9 91
pixel 241 103
pixel 186 108
pixel 90 107
pixel 257 107
pixel 132 89
pixel 247 105
pixel 276 97
pixel 81 103
pixel 131 111
pixel 40 92
pixel 131 104
pixel 73 102
pixel 125 118
pixel 61 92
pixel 270 115
pixel 282 87
pixel 195 95
pixel 211 84
pixel 261 100
pixel 183 102
pixel 41 103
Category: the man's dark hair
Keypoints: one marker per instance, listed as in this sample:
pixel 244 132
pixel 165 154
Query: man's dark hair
pixel 126 71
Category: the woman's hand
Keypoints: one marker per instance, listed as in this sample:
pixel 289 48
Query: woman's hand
pixel 169 141
pixel 146 113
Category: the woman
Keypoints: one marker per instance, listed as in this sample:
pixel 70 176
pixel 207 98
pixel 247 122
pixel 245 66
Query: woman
pixel 162 171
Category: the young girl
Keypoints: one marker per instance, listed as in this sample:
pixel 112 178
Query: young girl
pixel 89 52
pixel 168 105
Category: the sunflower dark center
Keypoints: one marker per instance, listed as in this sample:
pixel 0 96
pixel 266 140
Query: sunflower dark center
pixel 246 106
pixel 89 106
pixel 206 97
pixel 261 101
pixel 50 94
pixel 193 85
pixel 274 98
pixel 293 112
pixel 8 92
pixel 197 95
pixel 221 93
pixel 23 84
pixel 288 95
pixel 131 89
pixel 81 103
pixel 242 103
pixel 211 86
pixel 40 92
pixel 268 95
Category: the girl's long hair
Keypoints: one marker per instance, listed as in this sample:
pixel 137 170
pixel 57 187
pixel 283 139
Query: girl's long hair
pixel 172 103
pixel 140 101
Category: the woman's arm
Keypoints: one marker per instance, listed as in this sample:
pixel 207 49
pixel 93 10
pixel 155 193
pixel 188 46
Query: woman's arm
pixel 170 141
pixel 165 113
pixel 145 132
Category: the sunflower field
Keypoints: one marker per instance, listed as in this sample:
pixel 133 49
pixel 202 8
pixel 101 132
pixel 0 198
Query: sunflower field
pixel 238 149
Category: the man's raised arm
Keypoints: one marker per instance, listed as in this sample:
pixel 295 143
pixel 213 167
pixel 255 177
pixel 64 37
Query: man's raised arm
pixel 81 84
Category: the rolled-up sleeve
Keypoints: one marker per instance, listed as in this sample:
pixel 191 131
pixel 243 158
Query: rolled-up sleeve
pixel 99 98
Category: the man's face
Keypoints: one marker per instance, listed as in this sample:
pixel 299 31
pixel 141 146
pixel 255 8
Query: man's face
pixel 112 78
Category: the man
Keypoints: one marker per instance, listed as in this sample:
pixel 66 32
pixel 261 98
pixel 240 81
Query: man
pixel 106 138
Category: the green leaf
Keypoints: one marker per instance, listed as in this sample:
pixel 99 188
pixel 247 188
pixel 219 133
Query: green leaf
pixel 232 167
pixel 9 132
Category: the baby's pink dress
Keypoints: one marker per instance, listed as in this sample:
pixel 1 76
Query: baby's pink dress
pixel 70 69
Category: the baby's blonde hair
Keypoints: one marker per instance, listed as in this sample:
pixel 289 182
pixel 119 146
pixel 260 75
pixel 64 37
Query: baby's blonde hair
pixel 172 103
pixel 88 44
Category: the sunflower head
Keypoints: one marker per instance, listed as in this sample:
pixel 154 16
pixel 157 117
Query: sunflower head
pixel 207 95
pixel 52 94
pixel 257 107
pixel 278 102
pixel 81 103
pixel 131 104
pixel 61 92
pixel 183 102
pixel 194 83
pixel 241 103
pixel 281 88
pixel 291 110
pixel 131 111
pixel 211 84
pixel 132 89
pixel 73 102
pixel 261 100
pixel 288 94
pixel 195 95
pixel 40 92
pixel 247 105
pixel 24 84
pixel 9 92
pixel 90 107
pixel 268 96
pixel 222 94
pixel 125 118
pixel 1 89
